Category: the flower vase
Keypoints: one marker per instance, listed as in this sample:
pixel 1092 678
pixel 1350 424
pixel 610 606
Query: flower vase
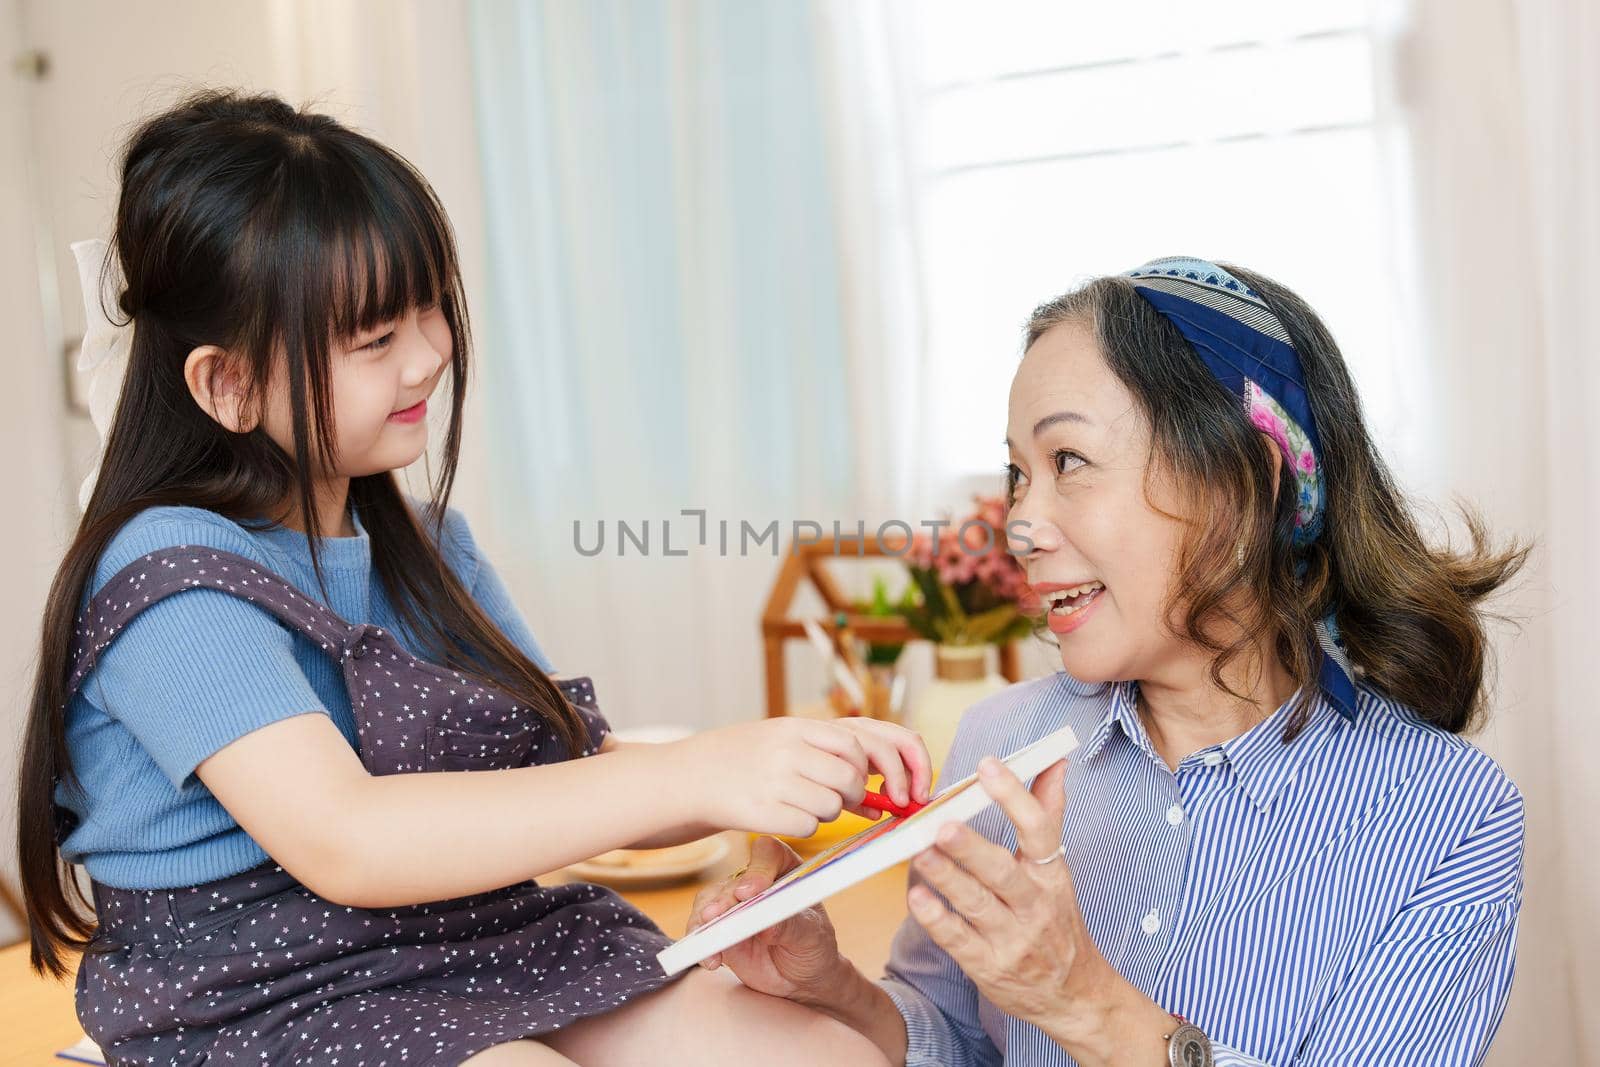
pixel 962 677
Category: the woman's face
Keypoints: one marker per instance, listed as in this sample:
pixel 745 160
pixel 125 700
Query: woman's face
pixel 1079 450
pixel 381 383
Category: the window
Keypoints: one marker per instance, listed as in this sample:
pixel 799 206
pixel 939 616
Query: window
pixel 1054 141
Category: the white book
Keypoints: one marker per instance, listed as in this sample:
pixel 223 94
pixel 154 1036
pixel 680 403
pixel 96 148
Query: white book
pixel 879 847
pixel 85 1051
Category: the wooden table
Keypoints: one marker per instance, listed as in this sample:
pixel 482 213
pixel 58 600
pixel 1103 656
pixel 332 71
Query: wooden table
pixel 37 1017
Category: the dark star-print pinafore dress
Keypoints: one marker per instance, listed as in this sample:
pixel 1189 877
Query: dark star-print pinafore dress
pixel 256 968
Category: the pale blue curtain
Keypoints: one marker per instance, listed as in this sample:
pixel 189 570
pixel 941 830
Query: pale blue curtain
pixel 663 262
pixel 662 325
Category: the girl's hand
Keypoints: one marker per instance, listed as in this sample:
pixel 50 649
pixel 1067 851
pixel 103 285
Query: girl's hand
pixel 910 777
pixel 798 959
pixel 1013 925
pixel 789 775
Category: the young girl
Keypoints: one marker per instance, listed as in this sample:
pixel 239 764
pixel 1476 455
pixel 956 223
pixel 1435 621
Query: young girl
pixel 237 766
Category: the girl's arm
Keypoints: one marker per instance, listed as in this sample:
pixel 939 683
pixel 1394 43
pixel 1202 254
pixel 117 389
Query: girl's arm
pixel 679 834
pixel 300 790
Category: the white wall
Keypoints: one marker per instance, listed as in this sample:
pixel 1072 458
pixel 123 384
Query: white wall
pixel 31 438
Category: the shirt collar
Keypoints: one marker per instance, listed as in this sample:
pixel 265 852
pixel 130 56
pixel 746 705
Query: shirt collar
pixel 1259 760
pixel 1121 713
pixel 353 553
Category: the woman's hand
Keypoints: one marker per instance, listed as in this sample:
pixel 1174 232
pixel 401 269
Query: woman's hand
pixel 1013 926
pixel 789 775
pixel 797 959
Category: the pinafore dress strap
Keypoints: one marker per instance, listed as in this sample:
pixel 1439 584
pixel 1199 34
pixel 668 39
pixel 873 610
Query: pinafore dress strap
pixel 154 577
pixel 443 721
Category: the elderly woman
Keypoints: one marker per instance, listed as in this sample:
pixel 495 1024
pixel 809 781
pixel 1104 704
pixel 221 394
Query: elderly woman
pixel 1272 845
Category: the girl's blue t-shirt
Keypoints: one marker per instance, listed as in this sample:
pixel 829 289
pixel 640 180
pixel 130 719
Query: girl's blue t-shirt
pixel 202 668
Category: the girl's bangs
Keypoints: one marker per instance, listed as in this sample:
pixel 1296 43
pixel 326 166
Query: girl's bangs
pixel 389 252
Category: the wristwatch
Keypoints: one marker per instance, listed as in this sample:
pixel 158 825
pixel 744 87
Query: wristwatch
pixel 1187 1045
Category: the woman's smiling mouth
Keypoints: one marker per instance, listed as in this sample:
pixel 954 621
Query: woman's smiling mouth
pixel 1068 606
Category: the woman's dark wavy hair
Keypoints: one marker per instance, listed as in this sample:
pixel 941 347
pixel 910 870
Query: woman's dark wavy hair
pixel 245 223
pixel 1411 615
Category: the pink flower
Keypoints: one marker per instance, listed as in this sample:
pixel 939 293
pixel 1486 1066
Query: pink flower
pixel 977 538
pixel 974 561
pixel 1011 583
pixel 963 571
pixel 1308 462
pixel 992 510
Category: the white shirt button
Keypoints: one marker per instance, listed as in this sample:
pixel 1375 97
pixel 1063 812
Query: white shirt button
pixel 1211 759
pixel 1151 922
pixel 1175 814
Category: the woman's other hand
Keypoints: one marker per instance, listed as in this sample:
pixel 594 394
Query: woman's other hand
pixel 1013 925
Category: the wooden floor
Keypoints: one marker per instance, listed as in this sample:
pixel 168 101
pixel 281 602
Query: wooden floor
pixel 37 1017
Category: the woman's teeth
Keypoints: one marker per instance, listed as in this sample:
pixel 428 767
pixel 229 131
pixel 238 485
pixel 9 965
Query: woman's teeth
pixel 1066 601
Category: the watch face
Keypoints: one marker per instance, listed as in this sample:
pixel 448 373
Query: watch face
pixel 1190 1047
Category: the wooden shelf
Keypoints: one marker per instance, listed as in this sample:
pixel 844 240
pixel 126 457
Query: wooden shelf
pixel 807 562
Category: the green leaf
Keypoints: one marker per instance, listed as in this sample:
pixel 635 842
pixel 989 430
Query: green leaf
pixel 933 591
pixel 880 596
pixel 884 655
pixel 988 626
pixel 952 603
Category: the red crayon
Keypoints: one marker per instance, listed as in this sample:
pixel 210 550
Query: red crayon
pixel 882 803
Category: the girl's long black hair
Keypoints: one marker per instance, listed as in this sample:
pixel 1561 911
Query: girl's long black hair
pixel 276 234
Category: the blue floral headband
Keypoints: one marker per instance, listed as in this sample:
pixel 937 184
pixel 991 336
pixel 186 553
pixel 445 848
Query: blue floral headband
pixel 1245 346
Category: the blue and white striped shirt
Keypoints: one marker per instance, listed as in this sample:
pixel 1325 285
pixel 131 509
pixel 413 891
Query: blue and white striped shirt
pixel 1351 897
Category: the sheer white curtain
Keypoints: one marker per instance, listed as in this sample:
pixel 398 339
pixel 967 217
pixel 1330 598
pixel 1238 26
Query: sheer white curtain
pixel 1043 143
pixel 1500 102
pixel 874 164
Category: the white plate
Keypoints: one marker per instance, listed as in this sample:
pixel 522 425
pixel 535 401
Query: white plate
pixel 653 733
pixel 713 851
